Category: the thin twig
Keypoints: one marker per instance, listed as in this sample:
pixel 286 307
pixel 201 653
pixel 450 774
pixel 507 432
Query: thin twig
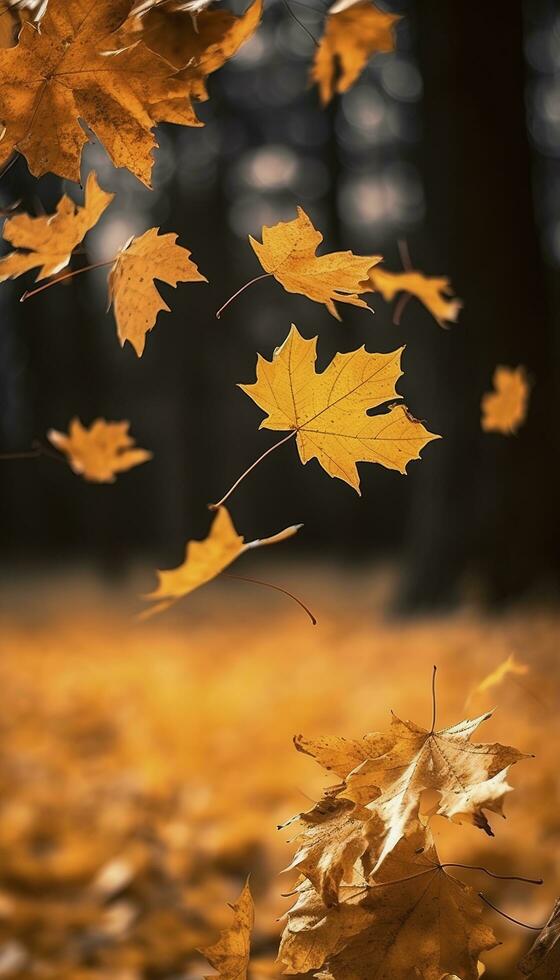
pixel 400 307
pixel 252 467
pixel 405 255
pixel 266 275
pixel 277 588
pixel 67 275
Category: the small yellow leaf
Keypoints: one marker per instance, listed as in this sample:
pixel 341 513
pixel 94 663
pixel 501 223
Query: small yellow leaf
pixel 288 252
pixel 132 291
pixel 504 409
pixel 204 560
pixel 100 452
pixel 433 291
pixel 354 31
pixel 230 954
pixel 328 412
pixel 49 240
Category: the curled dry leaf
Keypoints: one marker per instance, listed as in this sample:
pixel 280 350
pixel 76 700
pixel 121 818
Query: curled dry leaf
pixel 136 301
pixel 287 252
pixel 204 560
pixel 542 962
pixel 411 919
pixel 100 452
pixel 353 33
pixel 328 412
pixel 49 240
pixel 196 47
pixel 434 292
pixel 69 71
pixel 389 772
pixel 504 409
pixel 230 954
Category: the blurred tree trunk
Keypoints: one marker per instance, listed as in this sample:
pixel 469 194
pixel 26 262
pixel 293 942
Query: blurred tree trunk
pixel 483 503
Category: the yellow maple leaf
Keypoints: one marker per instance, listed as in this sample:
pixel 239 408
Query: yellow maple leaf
pixel 204 560
pixel 230 954
pixel 504 409
pixel 328 412
pixel 69 70
pixel 100 452
pixel 433 291
pixel 199 46
pixel 410 919
pixel 136 301
pixel 354 31
pixel 287 252
pixel 49 240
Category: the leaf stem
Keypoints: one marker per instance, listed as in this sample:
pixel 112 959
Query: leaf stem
pixel 234 486
pixel 265 275
pixel 67 275
pixel 300 23
pixel 400 307
pixel 35 452
pixel 277 588
pixel 491 874
pixel 517 922
pixel 434 702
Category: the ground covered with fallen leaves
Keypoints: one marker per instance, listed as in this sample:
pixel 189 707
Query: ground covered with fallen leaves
pixel 145 766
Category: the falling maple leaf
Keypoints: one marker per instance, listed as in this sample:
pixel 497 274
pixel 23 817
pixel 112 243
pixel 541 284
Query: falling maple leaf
pixel 196 47
pixel 411 919
pixel 328 412
pixel 389 772
pixel 542 962
pixel 49 240
pixel 230 954
pixel 507 668
pixel 354 31
pixel 136 301
pixel 68 71
pixel 505 409
pixel 204 560
pixel 287 252
pixel 433 291
pixel 100 452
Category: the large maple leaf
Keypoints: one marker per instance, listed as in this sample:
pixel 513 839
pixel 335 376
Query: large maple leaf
pixel 328 412
pixel 230 954
pixel 354 31
pixel 412 919
pixel 68 71
pixel 287 252
pixel 100 452
pixel 49 240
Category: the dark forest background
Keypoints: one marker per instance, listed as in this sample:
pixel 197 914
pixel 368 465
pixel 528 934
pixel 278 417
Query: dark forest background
pixel 451 144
